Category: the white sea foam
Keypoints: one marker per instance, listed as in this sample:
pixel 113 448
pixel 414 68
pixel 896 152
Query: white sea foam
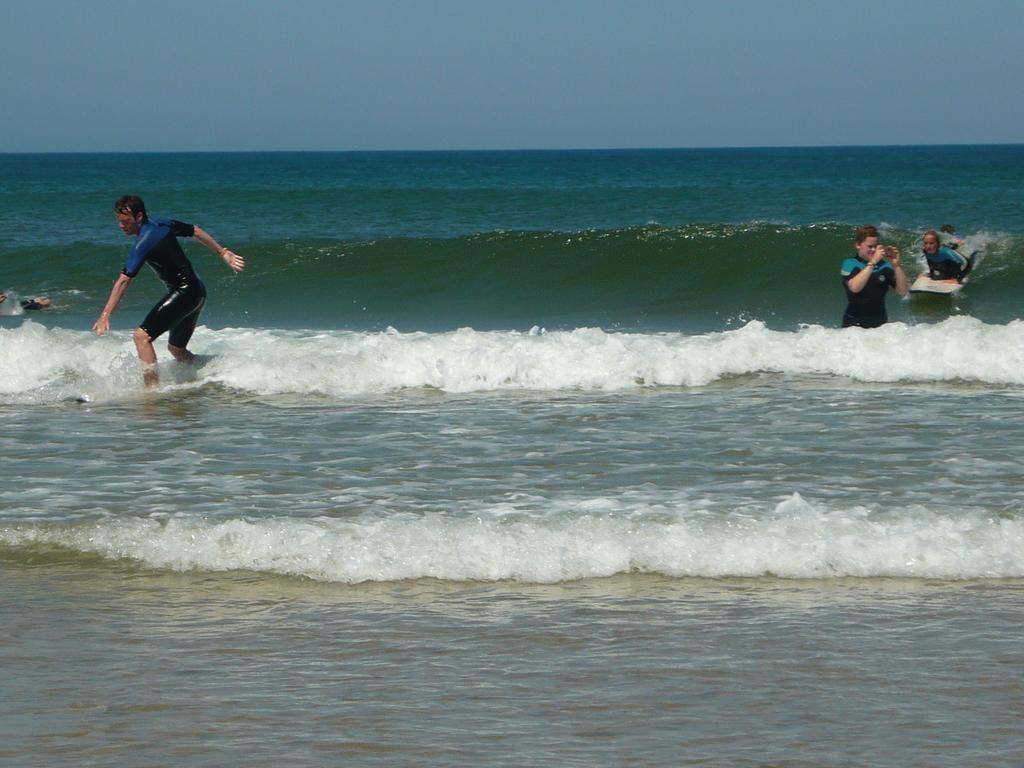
pixel 793 539
pixel 44 365
pixel 51 364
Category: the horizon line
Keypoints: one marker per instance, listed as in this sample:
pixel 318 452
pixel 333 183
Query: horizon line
pixel 497 149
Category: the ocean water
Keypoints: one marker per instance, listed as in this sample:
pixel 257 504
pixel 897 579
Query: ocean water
pixel 515 458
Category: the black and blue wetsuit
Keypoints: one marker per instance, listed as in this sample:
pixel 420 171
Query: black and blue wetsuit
pixel 867 308
pixel 178 311
pixel 948 264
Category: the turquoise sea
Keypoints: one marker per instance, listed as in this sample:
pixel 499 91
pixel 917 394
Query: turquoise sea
pixel 514 459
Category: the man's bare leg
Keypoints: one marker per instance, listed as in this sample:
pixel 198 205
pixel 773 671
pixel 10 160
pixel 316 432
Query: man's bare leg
pixel 144 346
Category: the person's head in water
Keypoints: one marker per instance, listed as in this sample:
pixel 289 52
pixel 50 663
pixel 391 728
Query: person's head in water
pixel 131 214
pixel 949 229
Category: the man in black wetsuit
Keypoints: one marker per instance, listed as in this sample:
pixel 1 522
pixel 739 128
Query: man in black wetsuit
pixel 157 244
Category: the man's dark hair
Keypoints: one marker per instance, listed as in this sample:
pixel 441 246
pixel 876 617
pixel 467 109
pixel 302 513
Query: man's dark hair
pixel 863 233
pixel 130 204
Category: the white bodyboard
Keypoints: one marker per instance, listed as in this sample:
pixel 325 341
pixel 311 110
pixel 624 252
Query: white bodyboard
pixel 924 284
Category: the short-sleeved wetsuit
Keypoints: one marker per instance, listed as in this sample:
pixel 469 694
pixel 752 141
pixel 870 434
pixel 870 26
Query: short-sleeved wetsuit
pixel 948 264
pixel 178 311
pixel 867 308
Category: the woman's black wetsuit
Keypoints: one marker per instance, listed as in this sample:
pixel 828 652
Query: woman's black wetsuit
pixel 867 308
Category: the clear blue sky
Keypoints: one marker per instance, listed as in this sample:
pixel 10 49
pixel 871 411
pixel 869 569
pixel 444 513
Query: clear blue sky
pixel 508 74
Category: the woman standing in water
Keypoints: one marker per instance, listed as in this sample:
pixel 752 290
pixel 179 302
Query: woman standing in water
pixel 868 276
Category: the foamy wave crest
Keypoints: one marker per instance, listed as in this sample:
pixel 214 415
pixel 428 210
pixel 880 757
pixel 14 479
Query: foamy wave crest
pixel 42 365
pixel 796 539
pixel 348 363
pixel 45 364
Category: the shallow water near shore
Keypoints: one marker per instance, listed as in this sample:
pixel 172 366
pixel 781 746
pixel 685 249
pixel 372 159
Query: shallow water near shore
pixel 197 669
